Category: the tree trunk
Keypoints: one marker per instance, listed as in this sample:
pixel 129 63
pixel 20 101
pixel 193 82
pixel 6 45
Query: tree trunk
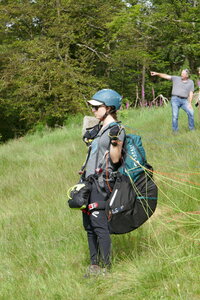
pixel 143 84
pixel 58 8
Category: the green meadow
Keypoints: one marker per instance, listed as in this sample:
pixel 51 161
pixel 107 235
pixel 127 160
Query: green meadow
pixel 43 247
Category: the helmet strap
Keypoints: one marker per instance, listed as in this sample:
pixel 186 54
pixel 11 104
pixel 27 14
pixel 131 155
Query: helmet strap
pixel 104 116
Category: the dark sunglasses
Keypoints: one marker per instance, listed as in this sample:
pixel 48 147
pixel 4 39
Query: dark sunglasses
pixel 95 107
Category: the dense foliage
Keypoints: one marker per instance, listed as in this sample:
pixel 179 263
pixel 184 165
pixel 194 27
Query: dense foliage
pixel 56 53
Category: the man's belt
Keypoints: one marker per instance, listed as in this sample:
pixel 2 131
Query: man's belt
pixel 179 97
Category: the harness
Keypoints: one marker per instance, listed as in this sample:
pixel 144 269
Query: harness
pixel 102 174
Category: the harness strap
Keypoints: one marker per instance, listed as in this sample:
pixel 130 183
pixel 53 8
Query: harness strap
pixel 85 163
pixel 107 175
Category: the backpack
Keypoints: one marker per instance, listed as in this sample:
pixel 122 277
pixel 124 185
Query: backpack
pixel 134 196
pixel 133 157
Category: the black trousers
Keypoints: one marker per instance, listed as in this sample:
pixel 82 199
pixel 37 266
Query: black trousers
pixel 96 225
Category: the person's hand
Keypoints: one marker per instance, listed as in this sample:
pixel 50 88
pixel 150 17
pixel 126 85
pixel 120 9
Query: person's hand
pixel 153 73
pixel 189 105
pixel 113 134
pixel 114 131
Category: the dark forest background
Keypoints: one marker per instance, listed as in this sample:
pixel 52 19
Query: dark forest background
pixel 55 54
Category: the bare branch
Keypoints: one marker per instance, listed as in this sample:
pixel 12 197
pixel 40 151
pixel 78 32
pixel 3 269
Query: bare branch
pixel 93 50
pixel 96 27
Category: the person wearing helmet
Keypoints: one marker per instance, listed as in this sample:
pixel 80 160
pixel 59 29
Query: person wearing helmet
pixel 106 141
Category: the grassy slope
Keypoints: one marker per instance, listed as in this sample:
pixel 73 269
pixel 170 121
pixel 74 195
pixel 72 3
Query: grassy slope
pixel 44 251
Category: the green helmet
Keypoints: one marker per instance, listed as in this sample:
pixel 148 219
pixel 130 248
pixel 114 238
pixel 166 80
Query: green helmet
pixel 108 97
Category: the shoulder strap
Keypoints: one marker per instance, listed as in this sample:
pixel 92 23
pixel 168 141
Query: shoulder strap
pixel 91 133
pixel 106 152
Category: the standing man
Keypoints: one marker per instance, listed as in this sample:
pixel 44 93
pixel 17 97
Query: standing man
pixel 182 94
pixel 198 92
pixel 198 83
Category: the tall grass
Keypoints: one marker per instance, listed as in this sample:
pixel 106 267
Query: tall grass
pixel 44 250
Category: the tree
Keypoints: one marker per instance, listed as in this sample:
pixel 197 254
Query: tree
pixel 53 57
pixel 130 56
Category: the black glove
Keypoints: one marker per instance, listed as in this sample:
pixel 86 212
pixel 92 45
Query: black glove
pixel 113 134
pixel 196 104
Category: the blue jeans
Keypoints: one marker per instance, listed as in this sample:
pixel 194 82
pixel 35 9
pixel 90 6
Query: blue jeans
pixel 176 104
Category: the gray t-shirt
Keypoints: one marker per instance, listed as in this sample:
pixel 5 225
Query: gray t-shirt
pixel 99 147
pixel 181 88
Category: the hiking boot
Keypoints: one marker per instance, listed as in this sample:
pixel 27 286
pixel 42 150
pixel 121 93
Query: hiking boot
pixel 93 270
